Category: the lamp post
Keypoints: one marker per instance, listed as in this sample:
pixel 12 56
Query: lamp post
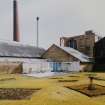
pixel 37 41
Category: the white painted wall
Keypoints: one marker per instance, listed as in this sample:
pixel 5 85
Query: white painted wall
pixel 71 66
pixel 41 65
pixel 36 67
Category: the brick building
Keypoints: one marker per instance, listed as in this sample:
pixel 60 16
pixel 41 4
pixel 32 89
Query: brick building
pixel 83 43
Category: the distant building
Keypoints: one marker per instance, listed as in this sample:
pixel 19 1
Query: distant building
pixel 99 55
pixel 83 43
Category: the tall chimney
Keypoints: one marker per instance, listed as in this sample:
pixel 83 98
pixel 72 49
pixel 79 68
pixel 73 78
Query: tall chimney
pixel 37 42
pixel 15 22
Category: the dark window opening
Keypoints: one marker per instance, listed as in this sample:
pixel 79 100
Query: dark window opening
pixel 72 43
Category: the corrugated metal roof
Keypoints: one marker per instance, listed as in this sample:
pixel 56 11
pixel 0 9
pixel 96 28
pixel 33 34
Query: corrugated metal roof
pixel 82 57
pixel 16 49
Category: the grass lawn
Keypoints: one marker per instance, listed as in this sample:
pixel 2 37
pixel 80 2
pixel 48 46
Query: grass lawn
pixel 52 90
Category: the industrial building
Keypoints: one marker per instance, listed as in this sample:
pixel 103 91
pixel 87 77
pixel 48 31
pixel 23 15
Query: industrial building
pixel 73 54
pixel 83 43
pixel 16 57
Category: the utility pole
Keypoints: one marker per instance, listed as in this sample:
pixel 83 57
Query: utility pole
pixel 37 41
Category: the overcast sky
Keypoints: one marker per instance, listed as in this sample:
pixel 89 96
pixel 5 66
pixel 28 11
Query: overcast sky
pixel 57 18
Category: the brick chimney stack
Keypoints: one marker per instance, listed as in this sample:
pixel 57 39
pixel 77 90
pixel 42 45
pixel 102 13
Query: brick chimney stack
pixel 15 22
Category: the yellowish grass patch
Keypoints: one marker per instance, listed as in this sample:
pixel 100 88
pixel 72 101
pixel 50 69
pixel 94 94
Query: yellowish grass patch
pixel 52 92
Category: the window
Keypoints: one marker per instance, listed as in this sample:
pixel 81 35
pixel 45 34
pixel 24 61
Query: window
pixel 72 43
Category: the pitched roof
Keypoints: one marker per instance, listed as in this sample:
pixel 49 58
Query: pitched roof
pixel 16 49
pixel 75 53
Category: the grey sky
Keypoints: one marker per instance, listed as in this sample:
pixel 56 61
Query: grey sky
pixel 57 18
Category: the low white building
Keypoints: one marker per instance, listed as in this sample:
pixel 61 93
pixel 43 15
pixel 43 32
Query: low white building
pixel 14 54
